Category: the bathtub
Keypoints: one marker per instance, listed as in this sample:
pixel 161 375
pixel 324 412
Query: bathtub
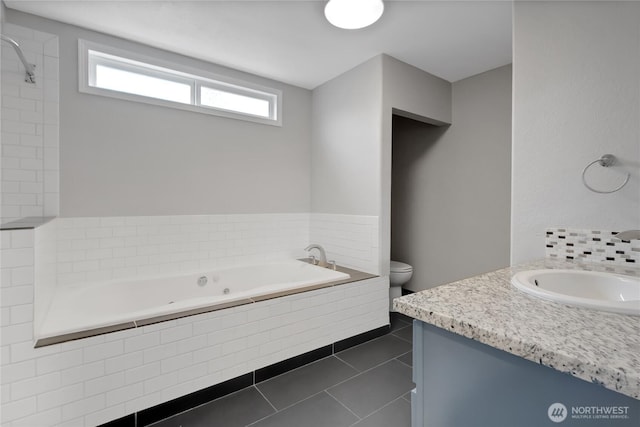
pixel 86 310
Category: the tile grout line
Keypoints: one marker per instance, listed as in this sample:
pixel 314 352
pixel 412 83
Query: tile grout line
pixel 380 408
pixel 327 389
pixel 265 398
pixel 357 373
pixel 285 408
pixel 349 365
pixel 398 359
pixel 399 337
pixel 292 370
pixel 343 405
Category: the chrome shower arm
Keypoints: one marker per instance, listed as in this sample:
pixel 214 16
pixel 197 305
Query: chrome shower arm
pixel 29 68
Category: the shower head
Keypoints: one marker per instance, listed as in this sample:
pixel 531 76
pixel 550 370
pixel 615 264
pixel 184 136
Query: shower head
pixel 30 76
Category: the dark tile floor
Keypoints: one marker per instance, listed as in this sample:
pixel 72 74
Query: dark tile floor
pixel 364 386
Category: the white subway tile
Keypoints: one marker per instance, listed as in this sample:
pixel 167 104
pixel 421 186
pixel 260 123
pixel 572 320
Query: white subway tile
pixel 18 371
pixel 41 419
pixel 98 232
pixel 83 244
pixel 17 333
pixel 16 257
pixel 124 362
pixel 176 362
pixel 192 344
pixel 160 352
pixel 125 393
pixel 5 316
pixel 70 233
pixel 142 373
pixel 103 384
pixel 193 372
pixel 36 385
pixel 74 422
pixel 58 361
pixel 16 295
pixel 176 333
pixel 82 343
pixel 160 382
pixel 159 326
pixel 111 242
pixel 141 342
pixel 68 256
pixel 234 346
pixel 208 353
pixel 17 409
pixel 125 231
pixel 103 351
pixel 84 266
pixel 146 401
pixel 60 396
pixel 5 277
pixel 81 373
pixel 113 221
pixel 86 222
pixel 22 239
pixel 82 407
pixel 50 47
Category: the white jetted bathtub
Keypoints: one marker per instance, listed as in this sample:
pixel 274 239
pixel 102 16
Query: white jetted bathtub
pixel 86 310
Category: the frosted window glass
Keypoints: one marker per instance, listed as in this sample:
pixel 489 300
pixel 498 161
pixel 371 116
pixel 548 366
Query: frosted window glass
pixel 140 84
pixel 230 101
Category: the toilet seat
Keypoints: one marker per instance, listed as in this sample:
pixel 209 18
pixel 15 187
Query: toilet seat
pixel 399 267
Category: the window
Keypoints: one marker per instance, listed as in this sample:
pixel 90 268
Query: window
pixel 109 72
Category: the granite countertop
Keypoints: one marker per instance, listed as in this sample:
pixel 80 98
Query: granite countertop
pixel 596 346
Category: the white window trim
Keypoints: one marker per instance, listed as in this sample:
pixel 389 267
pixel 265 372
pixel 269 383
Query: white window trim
pixel 182 74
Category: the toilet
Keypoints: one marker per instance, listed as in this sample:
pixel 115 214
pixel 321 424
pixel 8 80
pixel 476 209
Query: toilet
pixel 399 274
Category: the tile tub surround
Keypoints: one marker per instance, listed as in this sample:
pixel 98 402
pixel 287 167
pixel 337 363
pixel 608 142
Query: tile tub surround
pixel 351 372
pixel 99 249
pixel 96 249
pixel 596 346
pixel 94 380
pixel 591 246
pixel 352 240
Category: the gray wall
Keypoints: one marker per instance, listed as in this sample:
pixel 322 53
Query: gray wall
pixel 451 185
pixel 351 136
pixel 125 158
pixel 576 96
pixel 346 134
pixel 412 93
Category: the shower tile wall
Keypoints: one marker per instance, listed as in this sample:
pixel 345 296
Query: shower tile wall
pixel 30 126
pixel 591 246
pixel 94 380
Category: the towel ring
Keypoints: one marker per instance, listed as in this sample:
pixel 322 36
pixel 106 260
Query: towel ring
pixel 604 161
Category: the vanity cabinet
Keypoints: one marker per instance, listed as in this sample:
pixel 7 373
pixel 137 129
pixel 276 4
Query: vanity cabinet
pixel 464 383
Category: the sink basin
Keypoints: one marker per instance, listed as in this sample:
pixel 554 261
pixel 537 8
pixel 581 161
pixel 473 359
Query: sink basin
pixel 602 291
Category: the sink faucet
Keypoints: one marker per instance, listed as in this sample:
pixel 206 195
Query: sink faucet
pixel 628 235
pixel 323 255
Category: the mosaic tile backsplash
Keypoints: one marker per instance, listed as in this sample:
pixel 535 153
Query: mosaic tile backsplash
pixel 591 246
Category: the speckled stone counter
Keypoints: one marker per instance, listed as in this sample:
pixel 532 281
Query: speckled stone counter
pixel 596 346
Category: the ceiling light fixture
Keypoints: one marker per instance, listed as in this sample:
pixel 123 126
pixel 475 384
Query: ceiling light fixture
pixel 353 14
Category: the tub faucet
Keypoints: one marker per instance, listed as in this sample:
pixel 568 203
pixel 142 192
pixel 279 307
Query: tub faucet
pixel 628 235
pixel 323 255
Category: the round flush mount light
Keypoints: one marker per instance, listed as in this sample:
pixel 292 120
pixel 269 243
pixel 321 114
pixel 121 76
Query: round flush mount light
pixel 353 14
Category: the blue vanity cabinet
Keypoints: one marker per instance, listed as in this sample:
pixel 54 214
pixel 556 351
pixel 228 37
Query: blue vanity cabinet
pixel 463 383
